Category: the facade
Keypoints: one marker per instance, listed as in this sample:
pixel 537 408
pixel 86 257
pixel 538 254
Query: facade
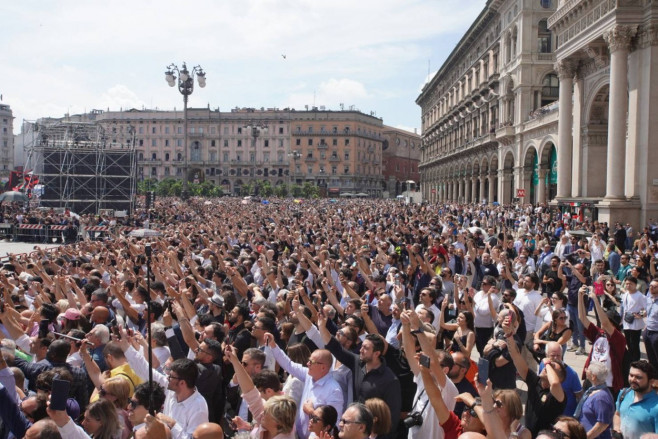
pixel 401 155
pixel 339 151
pixel 489 115
pixel 6 141
pixel 607 60
pixel 548 102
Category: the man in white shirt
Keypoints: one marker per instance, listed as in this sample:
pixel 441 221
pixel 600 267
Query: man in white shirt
pixel 320 388
pixel 528 299
pixel 184 409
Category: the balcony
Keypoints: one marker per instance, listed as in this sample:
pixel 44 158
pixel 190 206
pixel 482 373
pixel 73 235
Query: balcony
pixel 310 159
pixel 505 133
pixel 149 162
pixel 335 159
pixel 323 145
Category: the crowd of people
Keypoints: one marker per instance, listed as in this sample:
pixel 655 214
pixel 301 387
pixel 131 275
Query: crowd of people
pixel 325 319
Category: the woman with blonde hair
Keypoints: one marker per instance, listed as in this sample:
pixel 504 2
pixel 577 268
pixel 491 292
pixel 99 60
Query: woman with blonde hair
pixel 510 410
pixel 381 415
pixel 100 422
pixel 117 391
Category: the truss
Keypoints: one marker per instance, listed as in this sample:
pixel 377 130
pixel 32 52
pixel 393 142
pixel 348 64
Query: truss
pixel 78 168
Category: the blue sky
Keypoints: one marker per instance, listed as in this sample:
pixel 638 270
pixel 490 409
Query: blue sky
pixel 74 56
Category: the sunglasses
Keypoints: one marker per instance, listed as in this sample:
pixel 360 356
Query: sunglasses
pixel 132 404
pixel 314 418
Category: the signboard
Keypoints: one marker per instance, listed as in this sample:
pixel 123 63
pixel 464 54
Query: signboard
pixel 520 193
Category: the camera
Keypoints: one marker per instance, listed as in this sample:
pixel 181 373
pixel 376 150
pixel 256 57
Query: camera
pixel 413 420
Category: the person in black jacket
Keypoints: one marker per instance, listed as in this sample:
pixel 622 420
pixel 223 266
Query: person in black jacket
pixel 372 378
pixel 210 381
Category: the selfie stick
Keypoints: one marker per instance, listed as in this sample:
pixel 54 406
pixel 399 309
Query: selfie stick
pixel 148 325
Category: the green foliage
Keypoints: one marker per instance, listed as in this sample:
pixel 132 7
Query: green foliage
pixel 310 190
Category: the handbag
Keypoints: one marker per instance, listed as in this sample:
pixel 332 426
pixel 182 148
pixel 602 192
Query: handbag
pixel 629 317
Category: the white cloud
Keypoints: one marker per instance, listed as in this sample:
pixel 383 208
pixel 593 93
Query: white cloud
pixel 120 96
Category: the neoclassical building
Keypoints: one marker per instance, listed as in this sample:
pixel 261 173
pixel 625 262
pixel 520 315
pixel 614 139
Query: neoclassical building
pixel 489 115
pixel 607 61
pixel 550 102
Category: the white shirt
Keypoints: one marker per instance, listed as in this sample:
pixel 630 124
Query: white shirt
pixel 325 391
pixel 431 427
pixel 634 303
pixel 528 301
pixel 435 310
pixel 189 414
pixel 482 314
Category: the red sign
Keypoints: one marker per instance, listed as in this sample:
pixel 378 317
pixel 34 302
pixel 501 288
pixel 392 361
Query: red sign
pixel 520 193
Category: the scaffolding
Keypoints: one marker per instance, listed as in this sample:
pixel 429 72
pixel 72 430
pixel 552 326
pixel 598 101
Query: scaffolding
pixel 78 169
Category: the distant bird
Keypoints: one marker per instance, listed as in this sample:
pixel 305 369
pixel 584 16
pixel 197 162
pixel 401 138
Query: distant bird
pixel 284 57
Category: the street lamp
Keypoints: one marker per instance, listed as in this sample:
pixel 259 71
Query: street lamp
pixel 255 129
pixel 296 155
pixel 185 87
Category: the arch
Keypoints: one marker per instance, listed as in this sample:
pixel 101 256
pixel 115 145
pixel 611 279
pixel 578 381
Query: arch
pixel 594 138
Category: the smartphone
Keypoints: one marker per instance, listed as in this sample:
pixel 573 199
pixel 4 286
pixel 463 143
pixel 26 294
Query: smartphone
pixel 229 421
pixel 116 332
pixel 483 371
pixel 59 394
pixel 424 361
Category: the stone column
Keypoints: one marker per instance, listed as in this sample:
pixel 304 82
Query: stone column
pixel 468 194
pixel 541 186
pixel 490 195
pixel 565 70
pixel 474 189
pixel 618 39
pixel 482 194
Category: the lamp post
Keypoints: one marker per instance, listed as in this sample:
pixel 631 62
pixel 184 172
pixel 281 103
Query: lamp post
pixel 255 129
pixel 296 155
pixel 185 87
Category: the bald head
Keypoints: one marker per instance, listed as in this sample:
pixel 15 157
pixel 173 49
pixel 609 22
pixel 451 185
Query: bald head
pixel 325 356
pixel 100 314
pixel 208 430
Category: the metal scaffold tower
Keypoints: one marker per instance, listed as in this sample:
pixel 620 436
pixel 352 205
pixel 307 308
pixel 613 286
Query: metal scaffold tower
pixel 78 168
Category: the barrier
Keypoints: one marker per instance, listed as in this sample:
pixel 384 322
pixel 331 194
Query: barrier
pixel 31 233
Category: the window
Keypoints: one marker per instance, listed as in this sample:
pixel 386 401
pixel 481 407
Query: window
pixel 334 171
pixel 212 143
pixel 141 142
pixel 280 130
pixel 153 130
pixel 166 171
pixel 544 37
pixel 225 159
pixel 154 142
pixel 180 130
pixel 280 143
pixel 179 156
pixel 154 172
pixel 546 4
pixel 239 130
pixel 550 89
pixel 166 157
pixel 252 157
pixel 179 142
pixel 166 130
pixel 347 142
pixel 166 142
pixel 298 142
pixel 310 142
pixel 213 156
pixel 225 143
pixel 310 170
pixel 346 170
pixel 196 152
pixel 266 143
pixel 154 156
pixel 334 142
pixel 266 157
pixel 239 143
pixel 225 130
pixel 141 130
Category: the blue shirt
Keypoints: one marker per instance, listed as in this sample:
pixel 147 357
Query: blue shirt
pixel 570 386
pixel 639 417
pixel 652 313
pixel 599 407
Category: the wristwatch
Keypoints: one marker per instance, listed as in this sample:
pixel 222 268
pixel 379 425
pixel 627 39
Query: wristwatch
pixel 417 331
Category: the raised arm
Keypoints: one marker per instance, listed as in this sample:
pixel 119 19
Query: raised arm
pixel 517 358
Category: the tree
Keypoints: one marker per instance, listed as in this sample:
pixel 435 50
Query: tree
pixel 281 190
pixel 266 189
pixel 146 185
pixel 310 190
pixel 296 191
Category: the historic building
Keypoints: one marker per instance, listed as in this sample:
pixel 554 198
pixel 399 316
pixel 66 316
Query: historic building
pixel 401 155
pixel 6 141
pixel 550 102
pixel 339 151
pixel 607 62
pixel 489 115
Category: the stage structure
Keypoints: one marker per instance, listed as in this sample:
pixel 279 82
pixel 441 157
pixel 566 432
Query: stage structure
pixel 80 169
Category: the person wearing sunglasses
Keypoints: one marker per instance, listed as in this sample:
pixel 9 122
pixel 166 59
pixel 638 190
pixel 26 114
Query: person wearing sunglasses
pixel 138 405
pixel 356 422
pixel 323 420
